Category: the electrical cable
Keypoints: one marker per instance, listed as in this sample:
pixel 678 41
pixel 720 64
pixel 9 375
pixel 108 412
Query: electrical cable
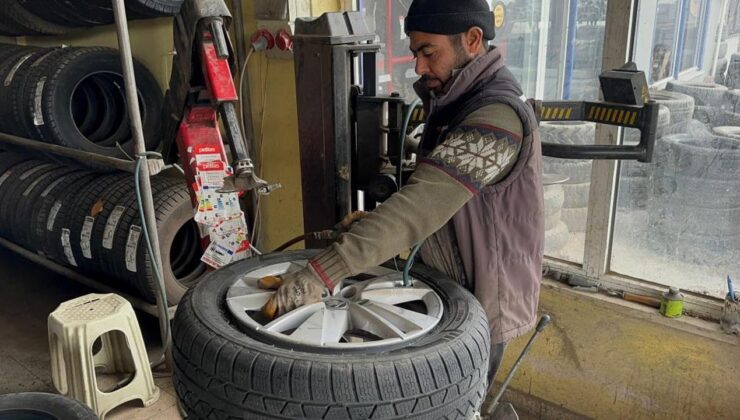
pixel 257 221
pixel 150 250
pixel 402 140
pixel 243 73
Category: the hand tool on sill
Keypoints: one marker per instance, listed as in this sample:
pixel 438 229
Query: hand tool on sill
pixel 730 290
pixel 496 411
pixel 651 301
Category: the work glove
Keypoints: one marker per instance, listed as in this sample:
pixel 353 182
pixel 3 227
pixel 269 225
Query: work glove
pixel 292 290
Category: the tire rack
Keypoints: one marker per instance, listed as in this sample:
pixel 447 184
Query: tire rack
pixel 160 310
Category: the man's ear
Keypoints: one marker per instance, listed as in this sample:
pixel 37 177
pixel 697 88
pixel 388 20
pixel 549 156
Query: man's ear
pixel 473 40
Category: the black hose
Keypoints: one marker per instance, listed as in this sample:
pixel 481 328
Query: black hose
pixel 292 242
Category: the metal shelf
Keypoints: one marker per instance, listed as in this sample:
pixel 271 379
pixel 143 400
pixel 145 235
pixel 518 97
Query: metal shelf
pixel 84 280
pixel 78 155
pixel 160 310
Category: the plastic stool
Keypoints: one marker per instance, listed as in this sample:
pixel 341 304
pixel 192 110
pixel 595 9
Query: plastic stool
pixel 73 329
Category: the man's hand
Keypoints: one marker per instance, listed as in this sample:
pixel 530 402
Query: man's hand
pixel 293 290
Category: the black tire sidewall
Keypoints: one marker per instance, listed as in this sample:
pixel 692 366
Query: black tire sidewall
pixel 57 94
pixel 208 299
pixel 52 404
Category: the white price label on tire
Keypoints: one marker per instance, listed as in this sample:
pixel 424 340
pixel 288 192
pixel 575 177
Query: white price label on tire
pixel 5 177
pixel 111 225
pixel 85 236
pixel 68 247
pixel 53 185
pixel 53 215
pixel 132 244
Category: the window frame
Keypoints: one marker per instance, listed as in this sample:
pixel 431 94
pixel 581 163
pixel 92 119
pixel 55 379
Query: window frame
pixel 602 205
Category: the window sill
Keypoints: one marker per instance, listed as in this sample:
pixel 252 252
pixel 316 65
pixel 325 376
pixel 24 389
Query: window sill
pixel 696 305
pixel 692 325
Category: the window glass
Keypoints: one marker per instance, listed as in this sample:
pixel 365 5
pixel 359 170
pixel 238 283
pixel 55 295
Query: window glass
pixel 664 38
pixel 589 49
pixel 678 218
pixel 395 62
pixel 691 38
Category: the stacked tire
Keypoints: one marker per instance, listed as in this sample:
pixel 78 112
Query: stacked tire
pixel 695 216
pixel 56 17
pixel 635 176
pixel 576 188
pixel 709 98
pixel 556 231
pixel 74 97
pixel 90 222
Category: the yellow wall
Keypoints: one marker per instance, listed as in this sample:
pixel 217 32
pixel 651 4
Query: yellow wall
pixel 151 43
pixel 275 117
pixel 608 360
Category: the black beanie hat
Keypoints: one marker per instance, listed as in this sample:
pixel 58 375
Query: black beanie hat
pixel 450 17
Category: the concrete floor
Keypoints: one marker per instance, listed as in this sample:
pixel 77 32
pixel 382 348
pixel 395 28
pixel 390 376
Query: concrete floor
pixel 28 293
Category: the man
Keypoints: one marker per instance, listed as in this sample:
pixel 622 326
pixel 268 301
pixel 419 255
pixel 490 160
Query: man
pixel 476 195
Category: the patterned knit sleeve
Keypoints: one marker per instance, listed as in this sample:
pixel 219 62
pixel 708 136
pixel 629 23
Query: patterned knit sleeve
pixel 482 150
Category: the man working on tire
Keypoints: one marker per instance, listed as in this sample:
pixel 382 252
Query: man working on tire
pixel 476 197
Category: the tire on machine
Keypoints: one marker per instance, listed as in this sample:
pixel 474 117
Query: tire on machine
pixel 223 371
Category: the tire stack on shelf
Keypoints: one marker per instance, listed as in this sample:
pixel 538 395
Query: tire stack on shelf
pixel 57 17
pixel 74 97
pixel 695 213
pixel 576 188
pixel 86 218
pixel 90 222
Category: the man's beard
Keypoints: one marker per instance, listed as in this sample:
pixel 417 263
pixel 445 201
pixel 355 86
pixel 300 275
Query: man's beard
pixel 461 61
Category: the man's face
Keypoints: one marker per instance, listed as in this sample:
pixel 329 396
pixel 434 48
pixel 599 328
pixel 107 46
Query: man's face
pixel 436 57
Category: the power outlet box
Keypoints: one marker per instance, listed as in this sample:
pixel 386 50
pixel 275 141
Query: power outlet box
pixel 275 27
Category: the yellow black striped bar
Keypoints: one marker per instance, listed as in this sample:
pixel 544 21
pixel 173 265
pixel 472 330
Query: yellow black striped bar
pixel 556 113
pixel 614 115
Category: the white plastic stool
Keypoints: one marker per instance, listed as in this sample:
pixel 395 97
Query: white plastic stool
pixel 73 329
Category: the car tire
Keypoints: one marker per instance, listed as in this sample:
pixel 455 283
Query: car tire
pixel 554 199
pixel 19 21
pixel 708 158
pixel 221 371
pixel 729 132
pixel 556 238
pixel 680 106
pixel 77 65
pixel 576 195
pixel 569 132
pixel 575 219
pixel 176 228
pixel 577 171
pixel 704 94
pixel 29 405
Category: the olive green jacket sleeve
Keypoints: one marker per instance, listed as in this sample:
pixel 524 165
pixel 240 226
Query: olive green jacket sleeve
pixel 481 152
